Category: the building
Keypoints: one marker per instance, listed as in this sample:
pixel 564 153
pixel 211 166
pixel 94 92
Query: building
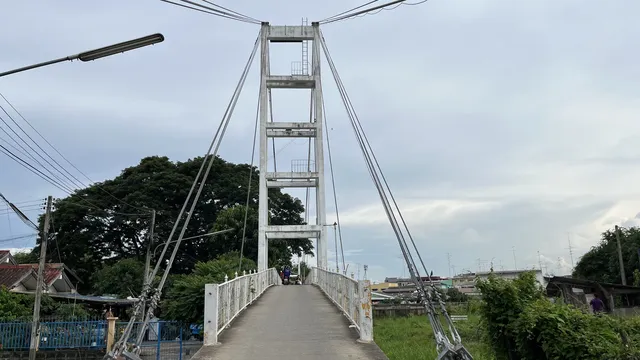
pixel 382 286
pixel 466 283
pixel 24 277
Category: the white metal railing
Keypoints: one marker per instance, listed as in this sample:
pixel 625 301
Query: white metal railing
pixel 352 297
pixel 224 302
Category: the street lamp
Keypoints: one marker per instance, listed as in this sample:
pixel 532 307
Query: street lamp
pixel 98 53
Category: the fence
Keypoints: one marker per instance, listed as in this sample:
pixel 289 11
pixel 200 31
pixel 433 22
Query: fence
pixel 352 297
pixel 54 335
pixel 223 302
pixel 163 340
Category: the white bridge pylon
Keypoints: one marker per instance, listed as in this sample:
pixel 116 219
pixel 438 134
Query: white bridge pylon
pixel 309 176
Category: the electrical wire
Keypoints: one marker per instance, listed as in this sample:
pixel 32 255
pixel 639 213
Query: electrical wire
pixel 231 11
pixel 33 169
pixel 444 345
pixel 69 179
pixel 66 159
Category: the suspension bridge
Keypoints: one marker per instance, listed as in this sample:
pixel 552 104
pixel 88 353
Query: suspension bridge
pixel 245 316
pixel 321 321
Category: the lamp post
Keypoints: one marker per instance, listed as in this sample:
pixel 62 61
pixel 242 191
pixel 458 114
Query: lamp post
pixel 97 53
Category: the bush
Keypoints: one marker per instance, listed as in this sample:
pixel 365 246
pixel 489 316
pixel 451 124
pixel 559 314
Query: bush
pixel 526 325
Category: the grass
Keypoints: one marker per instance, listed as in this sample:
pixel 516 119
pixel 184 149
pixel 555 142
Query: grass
pixel 410 338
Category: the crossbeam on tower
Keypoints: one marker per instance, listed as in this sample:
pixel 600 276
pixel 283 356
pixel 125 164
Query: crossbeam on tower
pixel 312 176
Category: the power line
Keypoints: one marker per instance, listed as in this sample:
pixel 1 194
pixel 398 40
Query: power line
pixel 62 156
pixel 33 169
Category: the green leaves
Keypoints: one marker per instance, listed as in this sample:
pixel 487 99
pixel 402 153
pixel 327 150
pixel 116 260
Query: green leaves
pixel 124 278
pixel 185 299
pixel 92 228
pixel 526 325
pixel 601 262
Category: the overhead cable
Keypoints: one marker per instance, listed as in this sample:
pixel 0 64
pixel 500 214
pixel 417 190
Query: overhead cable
pixel 213 11
pixel 20 214
pixel 65 159
pixel 448 348
pixel 369 11
pixel 253 155
pixel 210 157
pixel 347 11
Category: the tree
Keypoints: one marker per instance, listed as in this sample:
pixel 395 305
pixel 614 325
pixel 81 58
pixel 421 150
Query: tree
pixel 124 278
pixel 92 227
pixel 601 262
pixel 454 295
pixel 185 298
pixel 13 306
pixel 25 258
pixel 280 251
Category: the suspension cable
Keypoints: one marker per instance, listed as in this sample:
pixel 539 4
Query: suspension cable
pixel 253 154
pixel 443 343
pixel 333 186
pixel 209 158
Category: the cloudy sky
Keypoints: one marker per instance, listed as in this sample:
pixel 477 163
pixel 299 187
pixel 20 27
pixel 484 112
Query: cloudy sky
pixel 504 127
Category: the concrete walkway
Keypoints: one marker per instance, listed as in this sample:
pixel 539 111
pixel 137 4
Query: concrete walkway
pixel 291 322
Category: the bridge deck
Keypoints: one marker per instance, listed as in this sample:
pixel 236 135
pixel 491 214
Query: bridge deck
pixel 291 322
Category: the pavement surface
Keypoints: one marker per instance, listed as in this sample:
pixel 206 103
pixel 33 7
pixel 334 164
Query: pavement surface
pixel 291 322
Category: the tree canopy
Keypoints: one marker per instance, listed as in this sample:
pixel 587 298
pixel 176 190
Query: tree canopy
pixel 124 278
pixel 601 262
pixel 185 301
pixel 109 221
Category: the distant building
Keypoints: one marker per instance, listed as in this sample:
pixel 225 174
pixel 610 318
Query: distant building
pixel 466 283
pixel 382 286
pixel 24 277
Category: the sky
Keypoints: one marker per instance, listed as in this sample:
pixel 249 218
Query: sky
pixel 504 128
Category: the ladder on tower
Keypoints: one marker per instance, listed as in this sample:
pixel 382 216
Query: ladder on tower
pixel 305 51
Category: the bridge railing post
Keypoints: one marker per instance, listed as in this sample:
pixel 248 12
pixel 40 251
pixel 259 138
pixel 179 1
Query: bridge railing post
pixel 211 307
pixel 365 310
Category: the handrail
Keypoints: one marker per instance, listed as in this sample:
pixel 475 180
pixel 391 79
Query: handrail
pixel 225 301
pixel 352 297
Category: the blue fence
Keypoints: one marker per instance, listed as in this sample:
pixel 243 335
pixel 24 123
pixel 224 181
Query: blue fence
pixel 55 335
pixel 163 340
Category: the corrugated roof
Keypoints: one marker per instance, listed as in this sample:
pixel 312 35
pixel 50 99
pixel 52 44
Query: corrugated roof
pixel 12 275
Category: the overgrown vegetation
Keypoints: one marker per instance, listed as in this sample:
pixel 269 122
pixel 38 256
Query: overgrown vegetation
pixel 19 308
pixel 525 325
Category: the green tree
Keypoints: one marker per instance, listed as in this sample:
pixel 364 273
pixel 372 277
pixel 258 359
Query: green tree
pixel 25 258
pixel 601 262
pixel 280 251
pixel 123 278
pixel 454 295
pixel 13 306
pixel 92 227
pixel 185 298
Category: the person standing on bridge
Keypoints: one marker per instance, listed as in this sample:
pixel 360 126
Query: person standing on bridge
pixel 286 274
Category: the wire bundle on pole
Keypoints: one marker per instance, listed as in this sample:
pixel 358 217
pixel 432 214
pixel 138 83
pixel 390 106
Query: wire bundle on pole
pixel 121 347
pixel 449 349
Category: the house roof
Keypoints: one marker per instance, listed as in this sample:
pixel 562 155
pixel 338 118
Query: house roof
pixel 12 275
pixel 4 254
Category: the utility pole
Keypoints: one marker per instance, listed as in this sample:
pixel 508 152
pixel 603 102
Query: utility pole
pixel 147 263
pixel 35 324
pixel 449 262
pixel 622 274
pixel 570 250
pixel 515 263
pixel 539 260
